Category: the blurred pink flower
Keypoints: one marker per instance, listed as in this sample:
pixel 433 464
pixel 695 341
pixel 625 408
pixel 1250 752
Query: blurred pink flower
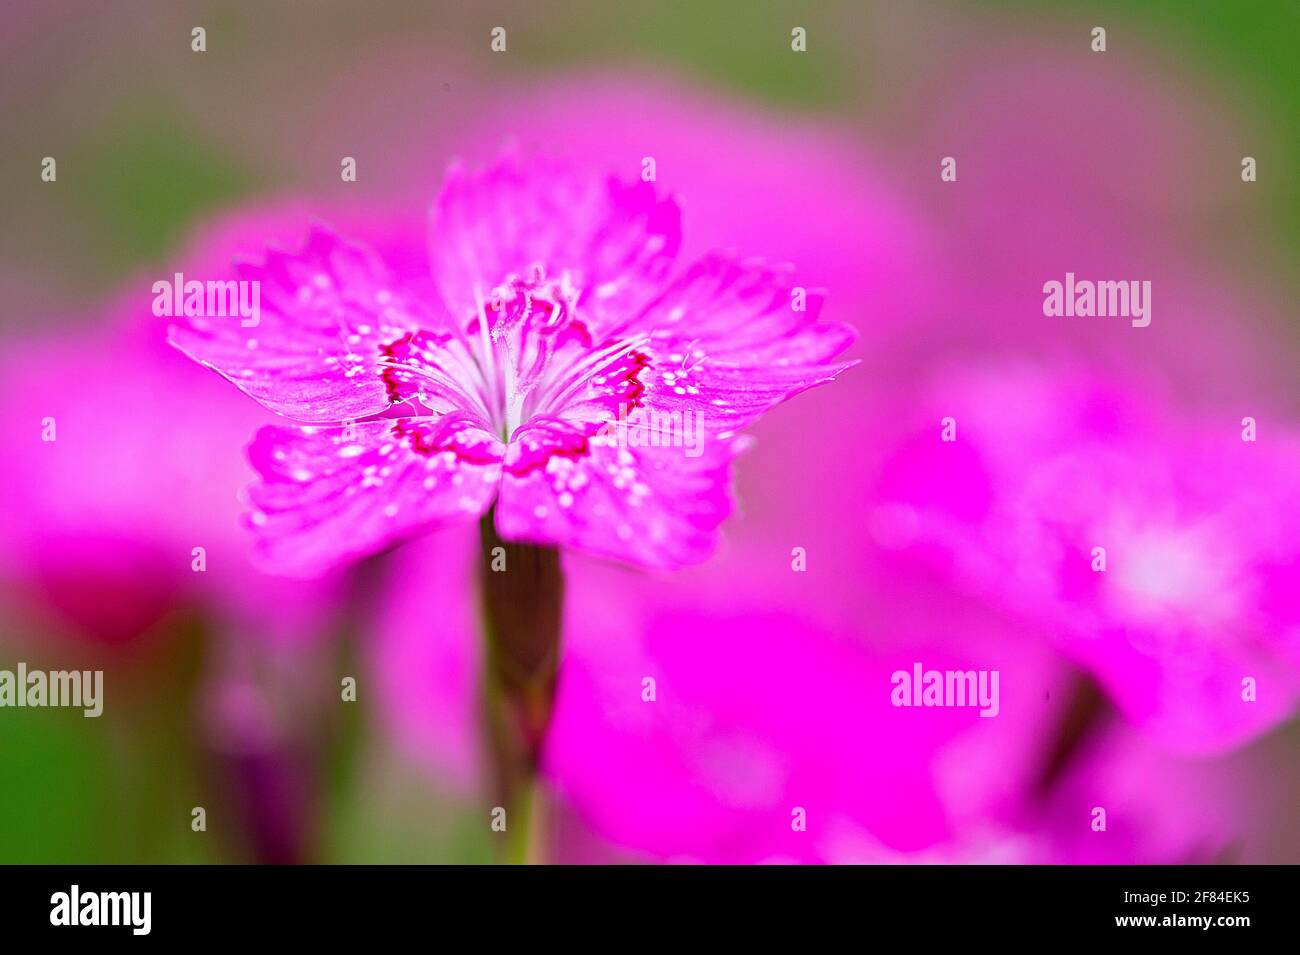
pixel 1201 582
pixel 762 713
pixel 761 708
pixel 1160 808
pixel 534 380
pixel 102 522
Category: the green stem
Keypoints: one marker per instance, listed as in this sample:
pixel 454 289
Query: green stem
pixel 522 592
pixel 520 848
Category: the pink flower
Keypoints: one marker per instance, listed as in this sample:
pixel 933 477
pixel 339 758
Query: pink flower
pixel 1189 614
pixel 527 375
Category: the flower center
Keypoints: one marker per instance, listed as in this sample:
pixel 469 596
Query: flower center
pixel 537 358
pixel 524 357
pixel 520 325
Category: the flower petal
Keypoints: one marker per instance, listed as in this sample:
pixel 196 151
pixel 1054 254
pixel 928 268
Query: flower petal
pixel 315 352
pixel 617 241
pixel 654 507
pixel 329 495
pixel 729 342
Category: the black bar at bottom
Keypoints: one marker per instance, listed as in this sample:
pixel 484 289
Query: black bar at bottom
pixel 332 905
